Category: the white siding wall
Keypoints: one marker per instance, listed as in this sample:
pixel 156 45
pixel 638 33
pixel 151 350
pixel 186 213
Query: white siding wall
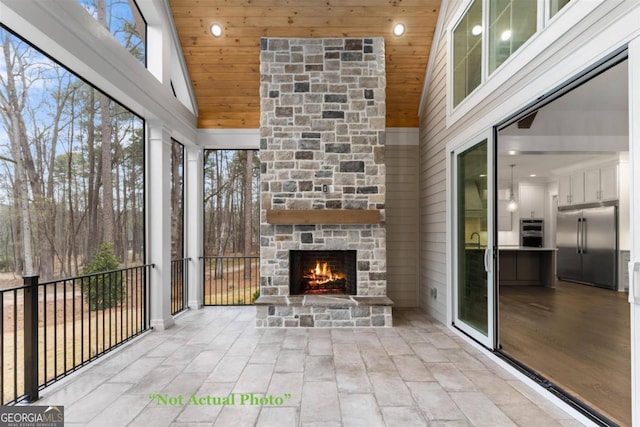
pixel 583 42
pixel 433 181
pixel 402 218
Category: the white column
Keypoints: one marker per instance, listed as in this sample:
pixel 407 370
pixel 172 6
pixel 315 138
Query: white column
pixel 194 205
pixel 158 214
pixel 634 201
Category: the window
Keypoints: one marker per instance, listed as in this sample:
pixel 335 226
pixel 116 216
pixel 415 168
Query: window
pixel 467 53
pixel 487 34
pixel 125 22
pixel 555 6
pixel 511 23
pixel 71 168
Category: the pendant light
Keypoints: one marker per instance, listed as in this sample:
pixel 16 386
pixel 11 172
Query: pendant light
pixel 512 206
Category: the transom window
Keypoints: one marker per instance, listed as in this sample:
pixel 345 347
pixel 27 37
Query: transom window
pixel 478 53
pixel 511 23
pixel 555 6
pixel 124 21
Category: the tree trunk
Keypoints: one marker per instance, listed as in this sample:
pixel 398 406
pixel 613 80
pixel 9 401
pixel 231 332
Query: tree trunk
pixel 105 172
pixel 71 229
pixel 223 238
pixel 134 210
pixel 176 202
pixel 13 108
pixel 93 182
pixel 16 236
pixel 248 181
pixel 105 128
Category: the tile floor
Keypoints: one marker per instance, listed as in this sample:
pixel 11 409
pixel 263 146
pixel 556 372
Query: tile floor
pixel 417 373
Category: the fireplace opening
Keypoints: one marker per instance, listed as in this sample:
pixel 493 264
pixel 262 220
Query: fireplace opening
pixel 322 272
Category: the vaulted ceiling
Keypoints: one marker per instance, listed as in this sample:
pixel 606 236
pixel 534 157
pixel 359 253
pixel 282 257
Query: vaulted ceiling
pixel 225 71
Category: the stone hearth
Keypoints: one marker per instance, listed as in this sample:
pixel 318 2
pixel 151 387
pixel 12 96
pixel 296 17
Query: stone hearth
pixel 322 149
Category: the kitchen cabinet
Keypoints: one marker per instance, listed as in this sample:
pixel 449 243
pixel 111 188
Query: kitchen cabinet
pixel 531 201
pixel 518 265
pixel 521 266
pixel 507 266
pixel 571 189
pixel 528 266
pixel 601 184
pixel 564 190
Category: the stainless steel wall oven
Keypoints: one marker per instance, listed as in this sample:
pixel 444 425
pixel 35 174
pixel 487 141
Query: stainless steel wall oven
pixel 532 232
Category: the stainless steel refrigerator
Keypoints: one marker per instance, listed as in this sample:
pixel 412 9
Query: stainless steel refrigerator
pixel 588 246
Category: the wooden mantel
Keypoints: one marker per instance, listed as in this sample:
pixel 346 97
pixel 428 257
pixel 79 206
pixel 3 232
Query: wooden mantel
pixel 323 216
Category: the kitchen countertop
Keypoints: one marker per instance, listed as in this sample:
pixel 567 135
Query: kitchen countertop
pixel 510 248
pixel 524 248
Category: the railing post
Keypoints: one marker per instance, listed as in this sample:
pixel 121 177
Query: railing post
pixel 31 338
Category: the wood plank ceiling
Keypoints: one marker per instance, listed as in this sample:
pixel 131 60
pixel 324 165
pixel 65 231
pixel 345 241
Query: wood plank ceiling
pixel 225 71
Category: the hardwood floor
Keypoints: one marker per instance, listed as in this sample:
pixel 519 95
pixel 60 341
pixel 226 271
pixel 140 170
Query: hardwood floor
pixel 576 336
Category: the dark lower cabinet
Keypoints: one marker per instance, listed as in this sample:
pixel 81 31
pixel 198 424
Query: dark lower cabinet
pixel 526 267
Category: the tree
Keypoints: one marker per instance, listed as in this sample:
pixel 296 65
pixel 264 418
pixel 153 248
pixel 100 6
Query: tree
pixel 103 290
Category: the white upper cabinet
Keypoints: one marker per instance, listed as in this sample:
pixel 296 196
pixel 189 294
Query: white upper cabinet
pixel 571 189
pixel 601 184
pixel 577 188
pixel 592 185
pixel 596 184
pixel 564 190
pixel 609 183
pixel 531 201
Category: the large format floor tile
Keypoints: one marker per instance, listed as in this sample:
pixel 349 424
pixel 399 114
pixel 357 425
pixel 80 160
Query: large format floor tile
pixel 215 368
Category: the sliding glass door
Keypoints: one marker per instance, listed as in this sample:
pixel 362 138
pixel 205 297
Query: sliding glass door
pixel 473 241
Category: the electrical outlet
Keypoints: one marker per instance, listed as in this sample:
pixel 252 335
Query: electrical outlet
pixel 325 188
pixel 434 293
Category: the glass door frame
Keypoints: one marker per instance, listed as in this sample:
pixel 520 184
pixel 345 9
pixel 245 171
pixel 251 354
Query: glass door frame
pixel 490 255
pixel 634 204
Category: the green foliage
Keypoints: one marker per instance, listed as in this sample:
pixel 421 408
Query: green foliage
pixel 255 296
pixel 103 290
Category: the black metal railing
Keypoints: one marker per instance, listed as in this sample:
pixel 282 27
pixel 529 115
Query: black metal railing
pixel 230 280
pixel 179 285
pixel 51 329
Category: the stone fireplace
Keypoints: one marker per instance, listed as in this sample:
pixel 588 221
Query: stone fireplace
pixel 322 183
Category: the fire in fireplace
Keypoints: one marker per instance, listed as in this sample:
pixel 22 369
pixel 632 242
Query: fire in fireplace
pixel 322 272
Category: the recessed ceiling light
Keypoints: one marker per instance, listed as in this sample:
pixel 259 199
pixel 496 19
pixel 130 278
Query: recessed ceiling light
pixel 512 152
pixel 216 30
pixel 533 175
pixel 476 30
pixel 398 29
pixel 506 35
